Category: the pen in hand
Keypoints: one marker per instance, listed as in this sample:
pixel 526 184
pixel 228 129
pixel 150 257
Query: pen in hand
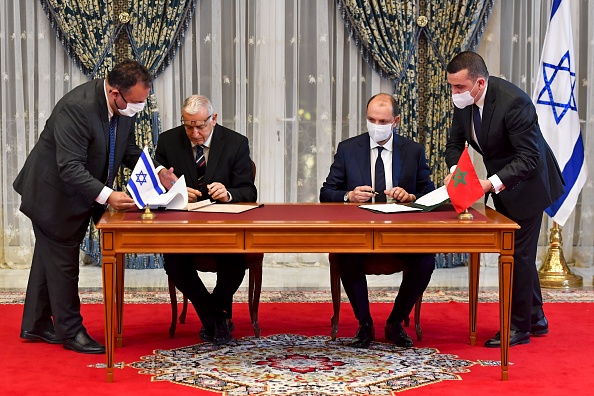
pixel 372 192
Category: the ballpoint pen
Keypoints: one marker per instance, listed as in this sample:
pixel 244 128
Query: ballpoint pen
pixel 373 192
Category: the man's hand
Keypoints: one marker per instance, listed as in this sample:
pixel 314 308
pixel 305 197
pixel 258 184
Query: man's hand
pixel 167 177
pixel 119 200
pixel 218 191
pixel 400 195
pixel 361 194
pixel 193 194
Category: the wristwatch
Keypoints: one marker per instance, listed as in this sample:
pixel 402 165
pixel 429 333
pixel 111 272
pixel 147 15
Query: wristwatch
pixel 346 197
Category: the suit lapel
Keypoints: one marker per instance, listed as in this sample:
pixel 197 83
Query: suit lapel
pixel 397 159
pixel 488 110
pixel 103 115
pixel 187 157
pixel 217 145
pixel 363 158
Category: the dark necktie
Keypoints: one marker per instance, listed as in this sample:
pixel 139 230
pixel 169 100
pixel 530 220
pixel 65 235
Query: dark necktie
pixel 112 131
pixel 380 177
pixel 476 118
pixel 200 164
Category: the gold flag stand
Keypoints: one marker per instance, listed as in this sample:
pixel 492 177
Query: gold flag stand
pixel 147 215
pixel 554 273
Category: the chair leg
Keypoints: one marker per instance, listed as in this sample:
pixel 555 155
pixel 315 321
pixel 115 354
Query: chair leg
pixel 335 290
pixel 255 287
pixel 173 297
pixel 418 318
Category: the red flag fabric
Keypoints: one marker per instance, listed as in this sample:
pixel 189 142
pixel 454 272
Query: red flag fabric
pixel 464 187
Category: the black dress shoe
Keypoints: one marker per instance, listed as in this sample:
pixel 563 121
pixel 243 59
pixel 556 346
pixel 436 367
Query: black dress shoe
pixel 207 332
pixel 395 332
pixel 365 334
pixel 516 338
pixel 222 334
pixel 48 336
pixel 540 327
pixel 83 343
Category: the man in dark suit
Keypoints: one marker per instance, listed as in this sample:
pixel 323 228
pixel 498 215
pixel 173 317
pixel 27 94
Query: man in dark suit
pixel 499 121
pixel 66 180
pixel 403 177
pixel 216 164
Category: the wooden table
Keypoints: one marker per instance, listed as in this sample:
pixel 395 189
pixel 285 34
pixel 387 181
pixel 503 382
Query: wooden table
pixel 313 228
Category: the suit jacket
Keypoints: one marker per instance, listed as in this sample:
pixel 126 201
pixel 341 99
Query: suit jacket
pixel 352 168
pixel 67 168
pixel 512 147
pixel 228 162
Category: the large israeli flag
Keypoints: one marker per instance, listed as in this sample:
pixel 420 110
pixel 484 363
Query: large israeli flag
pixel 555 101
pixel 144 184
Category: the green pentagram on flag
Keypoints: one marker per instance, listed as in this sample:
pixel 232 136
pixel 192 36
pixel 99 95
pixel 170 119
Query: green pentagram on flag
pixel 459 177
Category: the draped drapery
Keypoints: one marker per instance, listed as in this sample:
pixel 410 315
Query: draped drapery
pixel 411 42
pixel 324 90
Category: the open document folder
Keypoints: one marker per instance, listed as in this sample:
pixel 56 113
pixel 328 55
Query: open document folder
pixel 426 203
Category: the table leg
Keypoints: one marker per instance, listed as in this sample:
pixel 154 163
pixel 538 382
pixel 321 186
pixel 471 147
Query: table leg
pixel 119 283
pixel 474 270
pixel 506 271
pixel 109 274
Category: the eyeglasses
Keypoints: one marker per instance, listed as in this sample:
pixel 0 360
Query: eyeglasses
pixel 190 125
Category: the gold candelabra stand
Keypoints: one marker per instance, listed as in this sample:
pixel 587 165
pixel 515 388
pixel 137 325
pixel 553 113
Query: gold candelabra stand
pixel 554 273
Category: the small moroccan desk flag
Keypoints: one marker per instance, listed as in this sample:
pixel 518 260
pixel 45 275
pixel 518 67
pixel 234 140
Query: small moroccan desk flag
pixel 464 188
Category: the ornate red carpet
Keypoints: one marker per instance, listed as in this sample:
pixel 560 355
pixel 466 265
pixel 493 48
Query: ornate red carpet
pixel 294 355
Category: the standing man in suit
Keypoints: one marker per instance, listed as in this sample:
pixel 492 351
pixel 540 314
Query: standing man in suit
pixel 499 121
pixel 216 163
pixel 66 180
pixel 395 168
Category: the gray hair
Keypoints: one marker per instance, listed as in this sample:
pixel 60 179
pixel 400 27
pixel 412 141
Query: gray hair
pixel 195 102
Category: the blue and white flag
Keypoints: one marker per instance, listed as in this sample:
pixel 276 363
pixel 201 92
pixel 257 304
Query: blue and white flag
pixel 144 184
pixel 556 105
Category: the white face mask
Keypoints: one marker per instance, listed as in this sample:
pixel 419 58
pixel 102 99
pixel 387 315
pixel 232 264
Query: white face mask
pixel 464 99
pixel 131 109
pixel 379 133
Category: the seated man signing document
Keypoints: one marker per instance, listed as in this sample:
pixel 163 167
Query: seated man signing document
pixel 216 164
pixel 383 165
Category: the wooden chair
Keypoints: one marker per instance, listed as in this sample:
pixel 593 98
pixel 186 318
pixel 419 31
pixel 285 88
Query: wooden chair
pixel 377 264
pixel 208 264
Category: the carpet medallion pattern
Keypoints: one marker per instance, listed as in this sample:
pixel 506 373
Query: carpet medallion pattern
pixel 288 364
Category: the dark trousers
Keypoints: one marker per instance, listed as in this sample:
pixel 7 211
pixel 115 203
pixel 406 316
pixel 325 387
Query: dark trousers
pixel 209 306
pixel 526 294
pixel 52 289
pixel 352 273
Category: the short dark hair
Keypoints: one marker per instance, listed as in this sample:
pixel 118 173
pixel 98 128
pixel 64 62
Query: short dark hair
pixel 127 74
pixel 395 108
pixel 470 61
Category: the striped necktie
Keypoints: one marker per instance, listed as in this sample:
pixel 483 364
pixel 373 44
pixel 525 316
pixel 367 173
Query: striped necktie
pixel 200 164
pixel 112 132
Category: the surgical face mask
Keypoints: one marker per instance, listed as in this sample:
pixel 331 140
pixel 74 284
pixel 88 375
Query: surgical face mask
pixel 465 98
pixel 131 109
pixel 379 133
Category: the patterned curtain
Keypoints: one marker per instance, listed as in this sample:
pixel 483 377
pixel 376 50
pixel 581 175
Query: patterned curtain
pixel 89 31
pixel 411 42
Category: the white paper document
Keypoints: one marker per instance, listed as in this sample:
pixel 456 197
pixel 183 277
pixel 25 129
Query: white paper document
pixel 435 197
pixel 390 208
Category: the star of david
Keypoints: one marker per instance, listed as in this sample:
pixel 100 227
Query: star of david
pixel 558 76
pixel 141 177
pixel 459 177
